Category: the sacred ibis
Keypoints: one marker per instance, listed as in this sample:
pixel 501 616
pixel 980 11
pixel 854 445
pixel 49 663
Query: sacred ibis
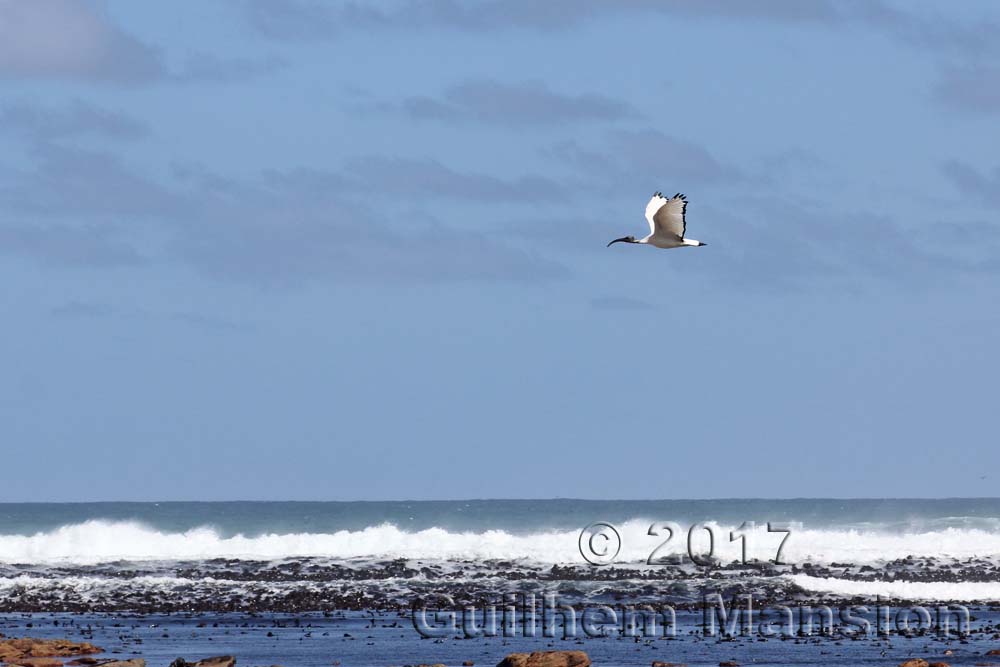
pixel 666 223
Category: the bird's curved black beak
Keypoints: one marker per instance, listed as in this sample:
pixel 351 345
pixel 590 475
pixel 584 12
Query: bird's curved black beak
pixel 624 239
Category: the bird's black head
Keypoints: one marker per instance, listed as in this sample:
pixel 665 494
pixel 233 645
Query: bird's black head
pixel 624 239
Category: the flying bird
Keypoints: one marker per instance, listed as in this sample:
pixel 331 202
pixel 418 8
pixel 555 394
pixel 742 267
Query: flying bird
pixel 666 223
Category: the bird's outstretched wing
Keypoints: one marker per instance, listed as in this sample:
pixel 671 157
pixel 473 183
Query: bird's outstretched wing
pixel 666 216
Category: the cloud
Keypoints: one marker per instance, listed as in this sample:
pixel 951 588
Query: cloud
pixel 311 20
pixel 412 178
pixel 84 183
pixel 208 68
pixel 975 88
pixel 297 20
pixel 657 153
pixel 282 227
pixel 426 178
pixel 940 32
pixel 270 236
pixel 298 225
pixel 314 20
pixel 65 39
pixel 72 40
pixel 529 103
pixel 89 246
pixel 984 186
pixel 776 239
pixel 78 118
pixel 649 156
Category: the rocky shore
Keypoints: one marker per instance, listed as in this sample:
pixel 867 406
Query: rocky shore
pixel 304 584
pixel 33 652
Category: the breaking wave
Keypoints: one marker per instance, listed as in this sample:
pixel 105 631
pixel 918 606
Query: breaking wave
pixel 102 541
pixel 967 591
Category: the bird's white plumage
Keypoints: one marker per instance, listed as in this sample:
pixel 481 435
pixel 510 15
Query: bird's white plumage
pixel 655 202
pixel 666 216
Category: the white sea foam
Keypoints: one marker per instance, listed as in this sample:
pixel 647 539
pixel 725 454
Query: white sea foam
pixel 98 541
pixel 967 591
pixel 88 584
pixel 90 589
pixel 142 590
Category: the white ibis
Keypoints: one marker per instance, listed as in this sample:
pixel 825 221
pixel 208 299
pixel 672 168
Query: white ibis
pixel 666 223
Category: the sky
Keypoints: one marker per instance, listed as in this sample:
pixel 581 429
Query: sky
pixel 286 249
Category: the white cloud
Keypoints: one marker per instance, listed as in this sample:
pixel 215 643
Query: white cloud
pixel 66 39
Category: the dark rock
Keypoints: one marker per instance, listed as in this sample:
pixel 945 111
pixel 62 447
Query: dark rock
pixel 546 659
pixel 217 661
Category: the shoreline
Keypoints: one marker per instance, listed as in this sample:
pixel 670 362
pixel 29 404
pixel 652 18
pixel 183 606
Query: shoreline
pixel 376 638
pixel 306 584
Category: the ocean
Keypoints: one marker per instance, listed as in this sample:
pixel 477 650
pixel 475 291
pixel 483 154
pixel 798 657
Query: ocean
pixel 201 573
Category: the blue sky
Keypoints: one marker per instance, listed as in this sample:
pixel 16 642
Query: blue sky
pixel 291 249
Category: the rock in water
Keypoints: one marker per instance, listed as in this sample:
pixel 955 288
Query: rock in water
pixel 546 659
pixel 217 661
pixel 38 662
pixel 914 662
pixel 13 649
pixel 134 662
